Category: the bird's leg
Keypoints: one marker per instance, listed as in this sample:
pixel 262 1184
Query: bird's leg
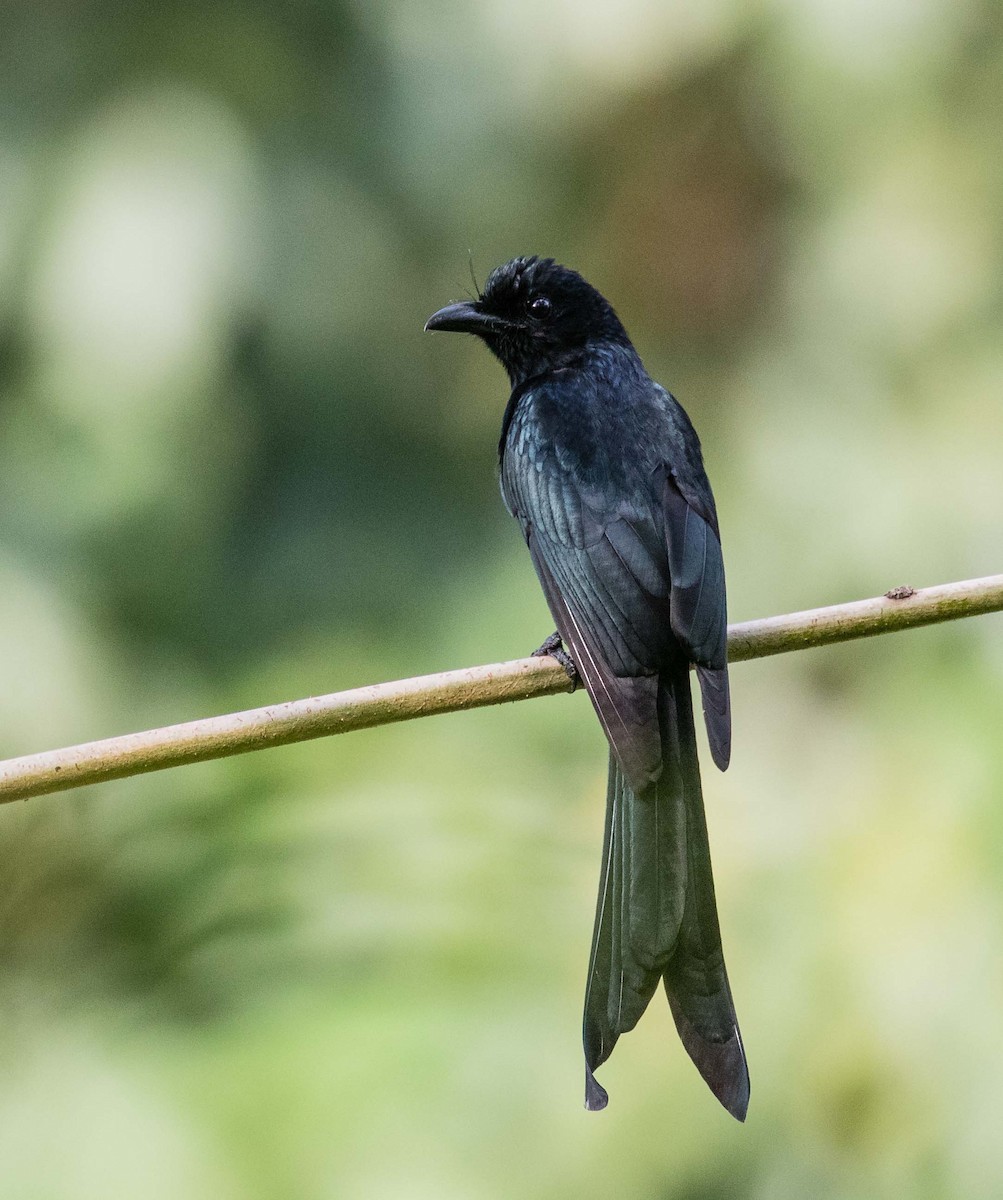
pixel 555 648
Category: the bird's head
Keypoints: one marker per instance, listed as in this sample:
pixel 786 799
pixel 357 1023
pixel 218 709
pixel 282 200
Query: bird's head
pixel 535 315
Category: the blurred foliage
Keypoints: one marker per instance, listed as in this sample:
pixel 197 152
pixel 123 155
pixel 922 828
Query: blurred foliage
pixel 233 470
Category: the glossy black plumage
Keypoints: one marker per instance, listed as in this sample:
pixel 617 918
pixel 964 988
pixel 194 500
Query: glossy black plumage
pixel 603 471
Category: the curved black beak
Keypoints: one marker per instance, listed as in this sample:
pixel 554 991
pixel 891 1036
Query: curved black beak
pixel 465 317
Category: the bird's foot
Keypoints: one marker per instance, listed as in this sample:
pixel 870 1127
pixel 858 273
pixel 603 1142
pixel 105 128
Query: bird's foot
pixel 554 647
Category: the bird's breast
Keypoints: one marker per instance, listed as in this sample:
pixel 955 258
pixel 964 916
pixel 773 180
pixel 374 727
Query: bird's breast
pixel 601 442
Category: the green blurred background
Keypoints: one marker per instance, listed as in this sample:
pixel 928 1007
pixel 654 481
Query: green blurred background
pixel 234 471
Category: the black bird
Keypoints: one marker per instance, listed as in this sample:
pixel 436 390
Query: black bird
pixel 603 471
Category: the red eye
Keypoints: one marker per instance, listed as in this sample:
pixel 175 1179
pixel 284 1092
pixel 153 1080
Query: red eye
pixel 540 307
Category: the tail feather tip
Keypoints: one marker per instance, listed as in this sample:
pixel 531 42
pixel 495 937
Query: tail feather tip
pixel 596 1098
pixel 737 1100
pixel 726 1074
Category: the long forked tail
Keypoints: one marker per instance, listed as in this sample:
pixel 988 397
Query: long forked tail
pixel 656 917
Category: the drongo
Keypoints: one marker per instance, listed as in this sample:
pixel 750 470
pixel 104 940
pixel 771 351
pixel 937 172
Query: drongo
pixel 602 469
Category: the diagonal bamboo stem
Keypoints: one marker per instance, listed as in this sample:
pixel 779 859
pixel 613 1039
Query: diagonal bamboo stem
pixel 472 687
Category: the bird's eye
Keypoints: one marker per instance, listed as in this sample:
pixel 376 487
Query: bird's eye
pixel 539 307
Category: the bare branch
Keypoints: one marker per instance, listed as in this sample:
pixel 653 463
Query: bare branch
pixel 473 687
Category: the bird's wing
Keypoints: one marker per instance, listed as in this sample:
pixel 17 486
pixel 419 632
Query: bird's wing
pixel 606 578
pixel 606 596
pixel 629 589
pixel 696 569
pixel 698 603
